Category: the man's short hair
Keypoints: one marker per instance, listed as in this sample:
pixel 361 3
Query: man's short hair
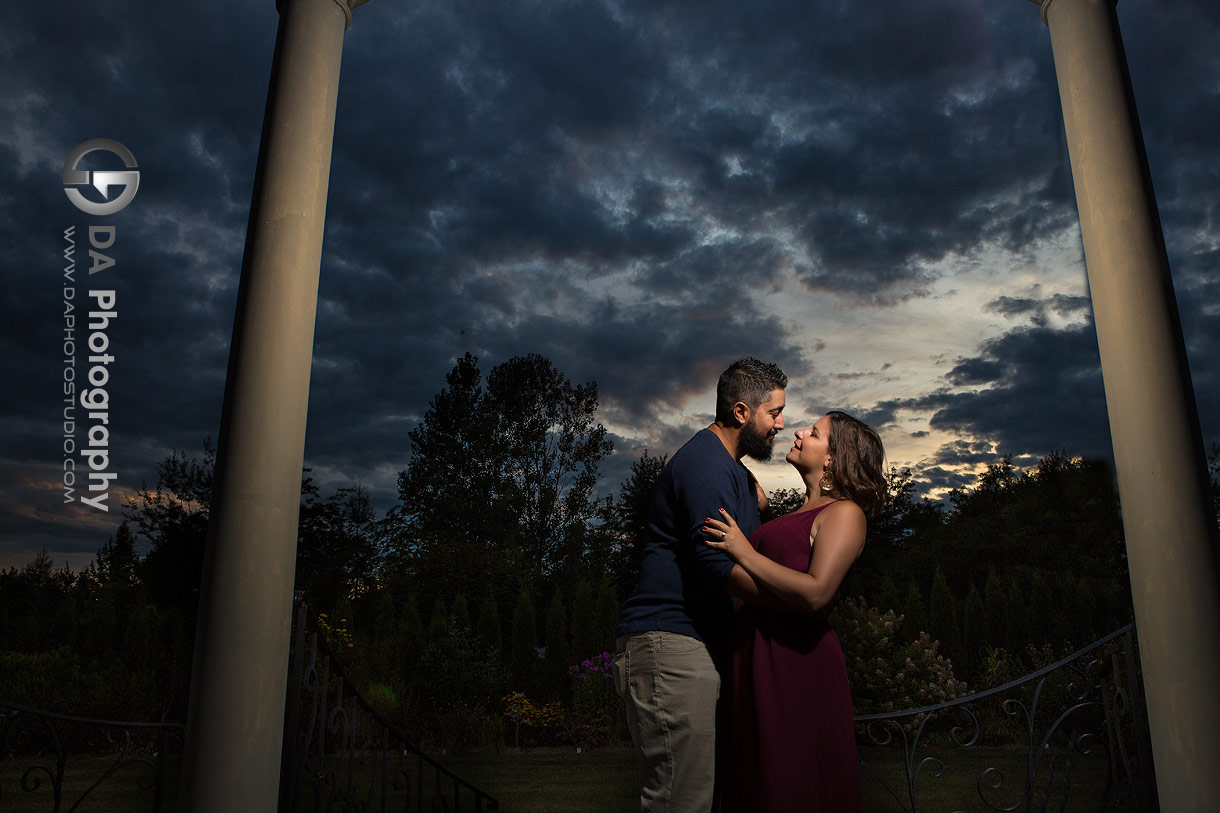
pixel 747 380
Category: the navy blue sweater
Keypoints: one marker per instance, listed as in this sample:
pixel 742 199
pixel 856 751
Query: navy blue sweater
pixel 682 581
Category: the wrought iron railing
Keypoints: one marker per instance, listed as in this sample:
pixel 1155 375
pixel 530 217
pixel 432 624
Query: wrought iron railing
pixel 44 749
pixel 339 754
pixel 1088 704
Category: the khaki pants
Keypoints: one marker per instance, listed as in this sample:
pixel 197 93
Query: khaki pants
pixel 669 686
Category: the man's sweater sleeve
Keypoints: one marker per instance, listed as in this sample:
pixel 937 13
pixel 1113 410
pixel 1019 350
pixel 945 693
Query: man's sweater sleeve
pixel 701 497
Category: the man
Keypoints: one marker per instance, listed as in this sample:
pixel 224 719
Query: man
pixel 673 632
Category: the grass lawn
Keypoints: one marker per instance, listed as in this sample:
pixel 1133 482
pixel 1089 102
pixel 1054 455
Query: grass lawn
pixel 554 779
pixel 558 780
pixel 604 780
pixel 119 792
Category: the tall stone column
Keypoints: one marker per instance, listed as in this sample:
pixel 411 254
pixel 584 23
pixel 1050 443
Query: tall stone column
pixel 238 684
pixel 1158 447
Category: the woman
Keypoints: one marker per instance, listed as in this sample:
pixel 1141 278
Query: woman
pixel 793 743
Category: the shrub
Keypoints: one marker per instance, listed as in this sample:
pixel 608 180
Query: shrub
pixel 544 724
pixel 888 673
pixel 594 701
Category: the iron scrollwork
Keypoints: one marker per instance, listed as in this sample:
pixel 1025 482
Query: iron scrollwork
pixel 55 742
pixel 1084 704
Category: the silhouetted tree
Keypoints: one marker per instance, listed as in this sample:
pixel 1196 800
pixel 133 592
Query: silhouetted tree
pixel 628 517
pixel 499 488
pixel 337 545
pixel 173 517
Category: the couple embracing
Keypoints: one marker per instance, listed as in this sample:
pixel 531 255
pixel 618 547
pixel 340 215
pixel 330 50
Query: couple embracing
pixel 747 710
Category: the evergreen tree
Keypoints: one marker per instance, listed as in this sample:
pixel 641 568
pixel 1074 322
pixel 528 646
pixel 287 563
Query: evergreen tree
pixel 629 516
pixel 942 614
pixel 450 462
pixel 523 654
pixel 413 638
pixel 558 655
pixel 585 635
pixel 461 615
pixel 995 612
pixel 1043 625
pixel 915 616
pixel 384 622
pixel 605 615
pixel 974 628
pixel 117 562
pixel 488 629
pixel 1017 630
pixel 887 597
pixel 439 621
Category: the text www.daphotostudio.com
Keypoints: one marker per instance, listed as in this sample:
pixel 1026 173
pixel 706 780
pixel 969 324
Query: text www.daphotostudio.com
pixel 85 388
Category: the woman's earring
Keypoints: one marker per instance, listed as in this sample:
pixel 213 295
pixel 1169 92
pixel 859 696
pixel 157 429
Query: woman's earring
pixel 826 484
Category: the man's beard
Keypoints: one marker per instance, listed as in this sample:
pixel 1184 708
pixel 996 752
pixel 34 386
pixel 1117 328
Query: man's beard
pixel 754 443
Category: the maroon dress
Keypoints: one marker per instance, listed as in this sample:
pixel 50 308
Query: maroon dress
pixel 793 743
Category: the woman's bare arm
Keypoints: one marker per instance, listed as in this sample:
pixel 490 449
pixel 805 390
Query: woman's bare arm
pixel 837 537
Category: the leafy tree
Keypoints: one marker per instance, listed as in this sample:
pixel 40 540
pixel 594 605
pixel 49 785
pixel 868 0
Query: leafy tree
pixel 527 446
pixel 337 545
pixel 553 448
pixel 904 520
pixel 173 518
pixel 902 537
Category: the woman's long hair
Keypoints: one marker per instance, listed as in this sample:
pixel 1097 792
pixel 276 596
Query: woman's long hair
pixel 857 462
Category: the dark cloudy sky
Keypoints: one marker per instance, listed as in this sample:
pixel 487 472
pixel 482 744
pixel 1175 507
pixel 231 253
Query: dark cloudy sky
pixel 876 197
